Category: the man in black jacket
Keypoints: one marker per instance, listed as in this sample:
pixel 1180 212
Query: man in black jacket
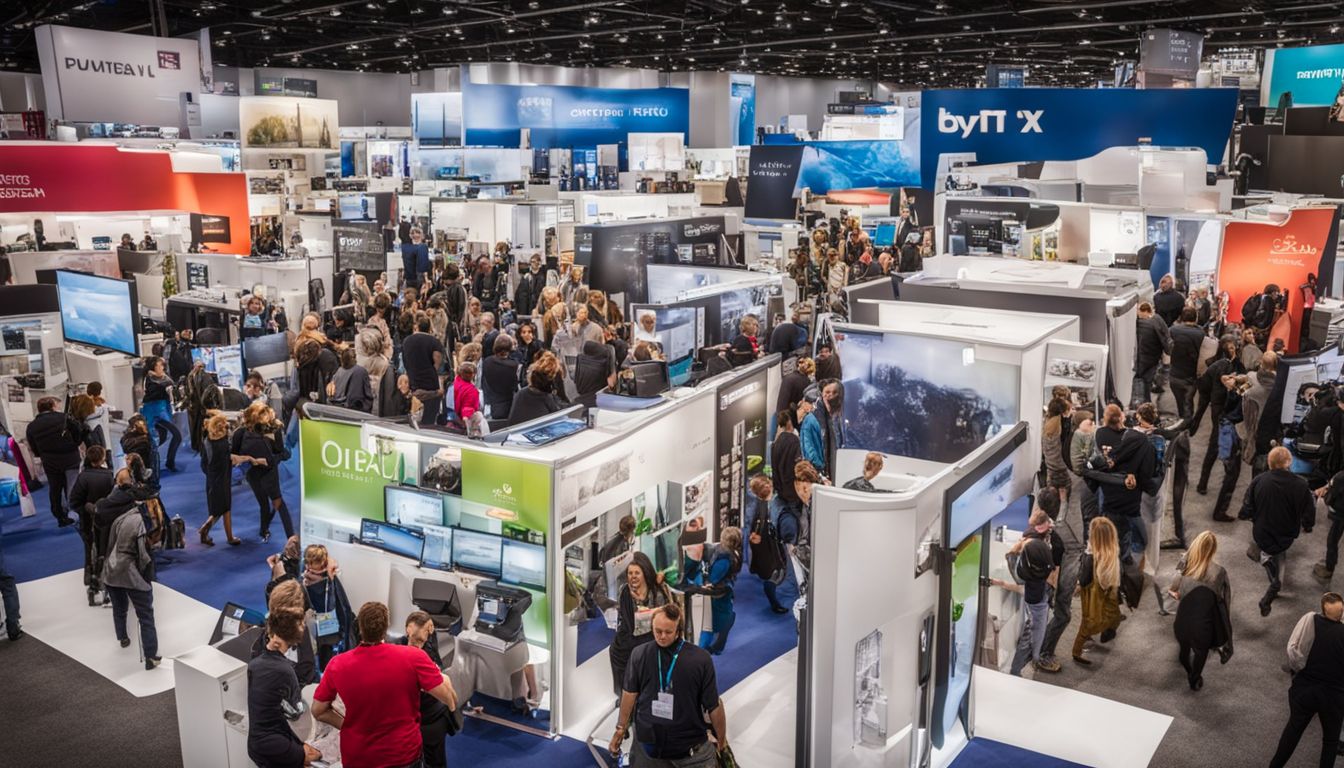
pixel 1225 363
pixel 528 292
pixel 1154 340
pixel 1316 659
pixel 1167 301
pixel 1280 506
pixel 54 438
pixel 91 486
pixel 1186 338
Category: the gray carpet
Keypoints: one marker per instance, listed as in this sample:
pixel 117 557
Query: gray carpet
pixel 1237 717
pixel 54 711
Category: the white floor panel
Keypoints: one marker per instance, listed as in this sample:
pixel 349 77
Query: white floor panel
pixel 761 712
pixel 56 611
pixel 1010 709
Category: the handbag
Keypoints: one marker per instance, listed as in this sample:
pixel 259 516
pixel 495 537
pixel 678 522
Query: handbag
pixel 726 759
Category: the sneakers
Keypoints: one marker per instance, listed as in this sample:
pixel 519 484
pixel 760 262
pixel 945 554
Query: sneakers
pixel 125 642
pixel 1321 572
pixel 1047 665
pixel 152 662
pixel 17 634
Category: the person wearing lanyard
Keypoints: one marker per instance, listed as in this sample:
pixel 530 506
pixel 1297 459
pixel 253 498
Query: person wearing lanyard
pixel 640 595
pixel 274 700
pixel 669 690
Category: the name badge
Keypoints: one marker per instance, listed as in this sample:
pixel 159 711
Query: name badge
pixel 328 625
pixel 662 707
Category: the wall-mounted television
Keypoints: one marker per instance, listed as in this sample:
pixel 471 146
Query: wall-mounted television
pixel 392 538
pixel 102 312
pixel 477 552
pixel 412 507
pixel 523 564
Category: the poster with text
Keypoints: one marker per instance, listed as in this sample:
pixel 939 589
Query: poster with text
pixel 343 477
pixel 1256 254
pixel 739 428
pixel 359 246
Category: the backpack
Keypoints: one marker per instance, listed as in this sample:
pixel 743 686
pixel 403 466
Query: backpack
pixel 175 533
pixel 768 558
pixel 1251 310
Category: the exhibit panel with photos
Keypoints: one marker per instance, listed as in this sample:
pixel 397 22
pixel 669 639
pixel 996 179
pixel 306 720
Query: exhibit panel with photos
pixel 889 671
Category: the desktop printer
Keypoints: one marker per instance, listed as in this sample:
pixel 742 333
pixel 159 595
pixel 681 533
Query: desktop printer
pixel 499 611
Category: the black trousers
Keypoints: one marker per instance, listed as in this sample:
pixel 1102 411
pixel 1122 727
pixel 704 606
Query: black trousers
pixel 1332 542
pixel 1203 400
pixel 1180 481
pixel 1231 473
pixel 58 485
pixel 1193 659
pixel 1306 700
pixel 1184 392
pixel 433 732
pixel 1210 453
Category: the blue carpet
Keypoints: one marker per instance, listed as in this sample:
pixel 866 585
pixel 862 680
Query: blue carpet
pixel 484 743
pixel 35 548
pixel 983 753
pixel 593 638
pixel 759 636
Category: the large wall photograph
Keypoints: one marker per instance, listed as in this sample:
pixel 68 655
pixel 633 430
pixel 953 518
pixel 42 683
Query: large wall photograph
pixel 920 397
pixel 281 122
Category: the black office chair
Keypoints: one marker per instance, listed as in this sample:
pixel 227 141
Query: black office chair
pixel 212 337
pixel 439 599
pixel 234 399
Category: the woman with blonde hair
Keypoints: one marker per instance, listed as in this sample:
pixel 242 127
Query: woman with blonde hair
pixel 260 443
pixel 1203 617
pixel 217 462
pixel 326 594
pixel 1099 585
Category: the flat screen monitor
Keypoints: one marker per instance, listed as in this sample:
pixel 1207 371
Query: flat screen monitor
pixel 477 552
pixel 99 311
pixel 225 361
pixel 412 507
pixel 651 378
pixel 392 538
pixel 549 433
pixel 438 547
pixel 523 564
pixel 265 350
pixel 886 235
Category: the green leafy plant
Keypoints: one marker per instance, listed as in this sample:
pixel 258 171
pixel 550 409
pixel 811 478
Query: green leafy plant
pixel 169 275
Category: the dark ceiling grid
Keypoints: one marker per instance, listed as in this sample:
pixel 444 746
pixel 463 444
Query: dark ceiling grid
pixel 914 44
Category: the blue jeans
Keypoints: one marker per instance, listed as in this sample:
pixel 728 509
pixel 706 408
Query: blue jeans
pixel 1033 635
pixel 143 600
pixel 161 412
pixel 724 617
pixel 10 595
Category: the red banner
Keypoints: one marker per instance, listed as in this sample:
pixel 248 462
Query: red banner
pixel 1256 254
pixel 73 178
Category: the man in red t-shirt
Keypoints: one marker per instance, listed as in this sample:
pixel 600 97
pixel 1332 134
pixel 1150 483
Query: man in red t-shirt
pixel 380 686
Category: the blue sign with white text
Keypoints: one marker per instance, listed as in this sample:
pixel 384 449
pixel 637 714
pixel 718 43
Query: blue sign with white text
pixel 562 116
pixel 1004 125
pixel 1313 75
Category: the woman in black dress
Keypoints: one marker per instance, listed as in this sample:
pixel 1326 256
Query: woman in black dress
pixel 641 594
pixel 260 442
pixel 217 463
pixel 274 698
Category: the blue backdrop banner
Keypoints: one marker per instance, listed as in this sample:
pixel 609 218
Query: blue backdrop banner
pixel 564 116
pixel 742 107
pixel 1313 75
pixel 1003 125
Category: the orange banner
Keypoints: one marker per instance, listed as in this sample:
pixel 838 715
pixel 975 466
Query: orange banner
pixel 1256 254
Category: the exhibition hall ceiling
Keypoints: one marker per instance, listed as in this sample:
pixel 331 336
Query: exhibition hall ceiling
pixel 920 44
